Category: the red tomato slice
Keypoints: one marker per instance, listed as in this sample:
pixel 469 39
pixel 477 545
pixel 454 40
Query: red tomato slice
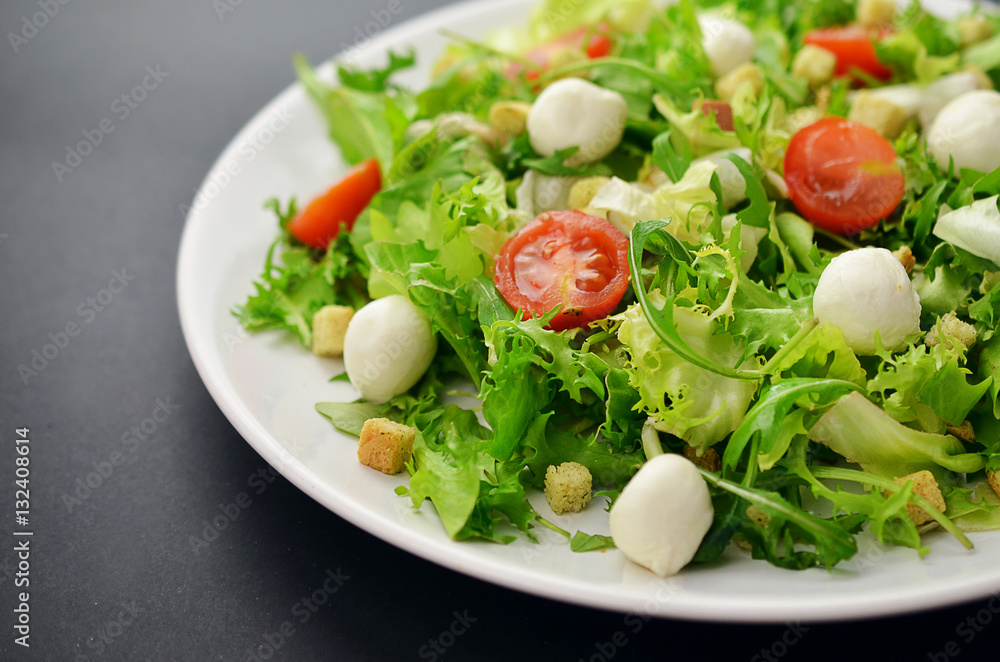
pixel 842 176
pixel 564 258
pixel 854 48
pixel 599 46
pixel 320 222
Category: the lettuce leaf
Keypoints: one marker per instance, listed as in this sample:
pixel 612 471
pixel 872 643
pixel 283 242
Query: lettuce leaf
pixel 698 405
pixel 862 432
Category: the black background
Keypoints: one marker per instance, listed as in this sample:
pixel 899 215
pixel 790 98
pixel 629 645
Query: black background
pixel 113 576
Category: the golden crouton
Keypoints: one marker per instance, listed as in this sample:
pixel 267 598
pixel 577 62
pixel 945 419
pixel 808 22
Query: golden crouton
pixel 758 516
pixel 567 487
pixel 906 258
pixel 385 445
pixel 951 327
pixel 994 478
pixel 876 13
pixel 963 432
pixel 814 65
pixel 510 117
pixel 973 29
pixel 924 485
pixel 882 115
pixel 584 190
pixel 709 460
pixel 745 74
pixel 329 328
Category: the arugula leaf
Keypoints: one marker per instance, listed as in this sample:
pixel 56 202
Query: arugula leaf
pixel 758 213
pixel 551 166
pixel 350 417
pixel 375 80
pixel 787 527
pixel 770 420
pixel 672 154
pixel 585 542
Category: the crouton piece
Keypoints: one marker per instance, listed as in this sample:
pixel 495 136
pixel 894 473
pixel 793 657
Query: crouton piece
pixel 758 516
pixel 994 479
pixel 385 445
pixel 745 74
pixel 905 257
pixel 876 13
pixel 973 29
pixel 963 432
pixel 709 460
pixel 510 117
pixel 951 327
pixel 925 485
pixel 329 328
pixel 814 65
pixel 882 115
pixel 567 487
pixel 584 190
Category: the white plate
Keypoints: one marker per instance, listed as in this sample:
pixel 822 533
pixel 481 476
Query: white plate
pixel 267 386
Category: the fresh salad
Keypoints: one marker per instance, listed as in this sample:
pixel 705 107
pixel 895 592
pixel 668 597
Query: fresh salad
pixel 727 270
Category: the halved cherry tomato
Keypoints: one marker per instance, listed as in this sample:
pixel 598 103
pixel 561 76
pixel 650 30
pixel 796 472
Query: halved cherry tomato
pixel 321 220
pixel 842 176
pixel 598 46
pixel 564 258
pixel 854 48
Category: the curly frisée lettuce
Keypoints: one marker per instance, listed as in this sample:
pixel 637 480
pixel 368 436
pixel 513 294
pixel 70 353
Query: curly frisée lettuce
pixel 714 351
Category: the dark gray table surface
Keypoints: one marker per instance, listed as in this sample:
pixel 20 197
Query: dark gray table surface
pixel 114 399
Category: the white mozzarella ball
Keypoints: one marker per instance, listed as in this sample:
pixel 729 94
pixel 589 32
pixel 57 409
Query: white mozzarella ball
pixel 388 347
pixel 662 515
pixel 865 290
pixel 968 130
pixel 576 113
pixel 727 43
pixel 733 185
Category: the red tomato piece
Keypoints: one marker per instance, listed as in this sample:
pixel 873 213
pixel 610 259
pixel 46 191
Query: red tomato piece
pixel 842 176
pixel 854 48
pixel 599 46
pixel 723 112
pixel 320 222
pixel 565 258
